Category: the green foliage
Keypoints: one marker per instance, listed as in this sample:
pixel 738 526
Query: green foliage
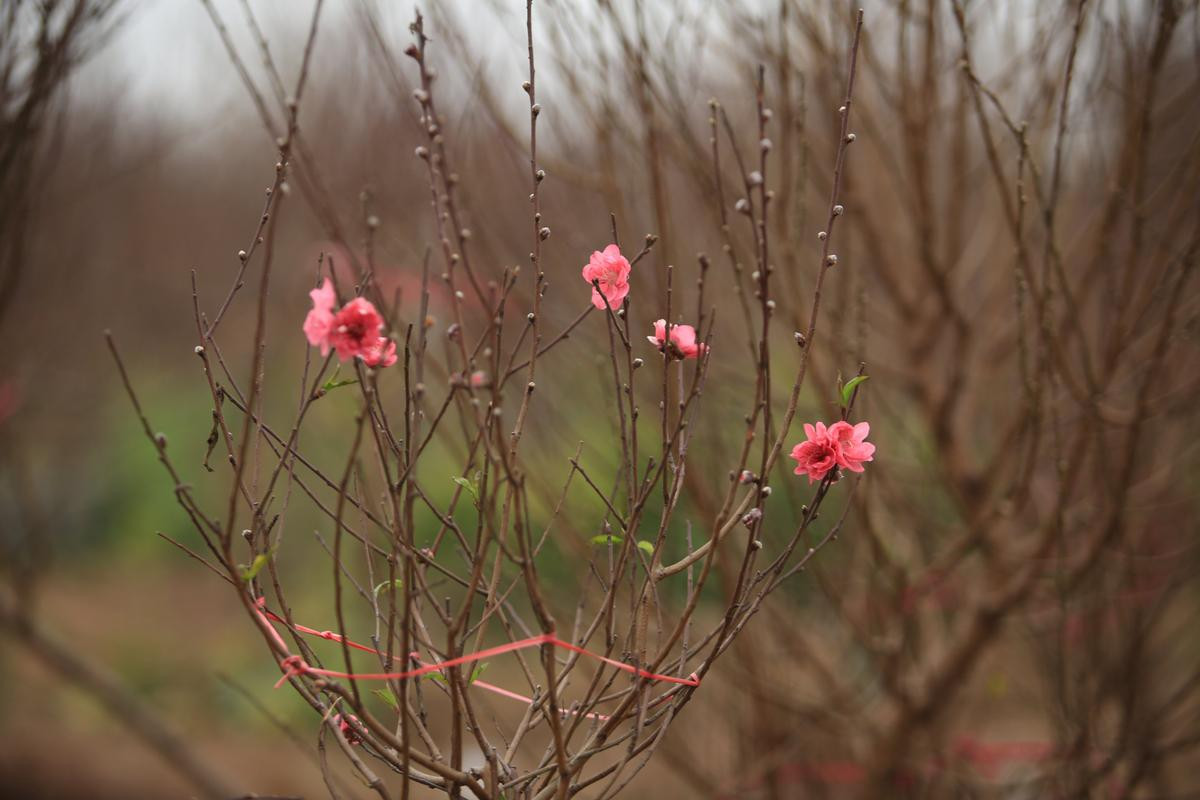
pixel 608 538
pixel 395 584
pixel 471 486
pixel 387 696
pixel 260 561
pixel 475 673
pixel 848 389
pixel 334 383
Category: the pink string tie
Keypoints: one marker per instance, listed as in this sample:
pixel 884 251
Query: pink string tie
pixel 294 666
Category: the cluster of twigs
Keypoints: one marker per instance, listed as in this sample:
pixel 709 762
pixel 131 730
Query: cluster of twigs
pixel 475 579
pixel 1013 611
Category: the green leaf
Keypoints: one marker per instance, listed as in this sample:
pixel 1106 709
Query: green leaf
pixel 251 571
pixel 388 697
pixel 475 673
pixel 606 538
pixel 396 584
pixel 470 486
pixel 849 388
pixel 334 383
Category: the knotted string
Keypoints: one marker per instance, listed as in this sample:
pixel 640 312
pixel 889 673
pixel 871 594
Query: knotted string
pixel 295 666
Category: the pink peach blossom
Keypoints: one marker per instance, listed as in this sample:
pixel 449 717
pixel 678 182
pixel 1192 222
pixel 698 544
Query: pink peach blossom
pixel 355 330
pixel 611 270
pixel 839 445
pixel 683 340
pixel 850 444
pixel 347 729
pixel 380 354
pixel 319 321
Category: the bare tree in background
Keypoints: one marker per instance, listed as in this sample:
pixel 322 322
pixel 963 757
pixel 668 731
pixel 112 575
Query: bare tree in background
pixel 1006 607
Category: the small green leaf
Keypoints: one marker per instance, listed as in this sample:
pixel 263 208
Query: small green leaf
pixel 849 388
pixel 397 584
pixel 388 697
pixel 251 571
pixel 475 673
pixel 334 383
pixel 470 486
pixel 606 538
pixel 647 548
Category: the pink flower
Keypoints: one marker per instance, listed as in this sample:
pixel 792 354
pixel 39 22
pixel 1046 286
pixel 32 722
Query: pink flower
pixel 611 270
pixel 839 445
pixel 355 330
pixel 320 319
pixel 850 444
pixel 380 354
pixel 683 340
pixel 348 730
